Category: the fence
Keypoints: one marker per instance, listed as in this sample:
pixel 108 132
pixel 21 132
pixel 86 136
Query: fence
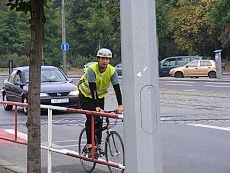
pixel 49 145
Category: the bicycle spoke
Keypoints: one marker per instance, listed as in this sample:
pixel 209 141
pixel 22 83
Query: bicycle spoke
pixel 83 150
pixel 115 151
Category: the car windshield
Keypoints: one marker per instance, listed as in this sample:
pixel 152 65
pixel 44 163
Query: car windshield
pixel 52 75
pixel 49 75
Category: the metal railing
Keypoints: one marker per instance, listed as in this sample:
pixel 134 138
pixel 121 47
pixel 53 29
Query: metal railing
pixel 49 145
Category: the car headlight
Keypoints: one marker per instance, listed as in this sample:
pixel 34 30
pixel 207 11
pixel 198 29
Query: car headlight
pixel 43 95
pixel 74 93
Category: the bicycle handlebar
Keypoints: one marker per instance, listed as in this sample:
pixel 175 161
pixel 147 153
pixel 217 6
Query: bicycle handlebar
pixel 114 122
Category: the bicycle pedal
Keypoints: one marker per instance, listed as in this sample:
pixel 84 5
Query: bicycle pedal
pixel 96 155
pixel 101 155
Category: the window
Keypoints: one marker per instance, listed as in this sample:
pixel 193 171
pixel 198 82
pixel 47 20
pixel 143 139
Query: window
pixel 170 62
pixel 49 75
pixel 193 64
pixel 12 76
pixel 205 63
pixel 183 61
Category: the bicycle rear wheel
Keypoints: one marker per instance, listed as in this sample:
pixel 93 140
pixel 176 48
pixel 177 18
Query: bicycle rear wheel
pixel 83 150
pixel 114 151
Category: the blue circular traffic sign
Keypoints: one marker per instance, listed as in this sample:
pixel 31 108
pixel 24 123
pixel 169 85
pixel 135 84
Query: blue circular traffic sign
pixel 64 46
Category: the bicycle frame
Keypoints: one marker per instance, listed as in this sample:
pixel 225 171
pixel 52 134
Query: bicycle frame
pixel 93 131
pixel 112 153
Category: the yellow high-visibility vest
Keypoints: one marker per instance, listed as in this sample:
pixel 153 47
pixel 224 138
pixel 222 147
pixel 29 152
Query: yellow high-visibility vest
pixel 102 81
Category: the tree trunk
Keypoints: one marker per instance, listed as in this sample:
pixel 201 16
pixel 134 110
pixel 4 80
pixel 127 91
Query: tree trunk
pixel 33 122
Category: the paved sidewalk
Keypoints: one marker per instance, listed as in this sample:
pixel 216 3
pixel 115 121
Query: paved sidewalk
pixel 7 167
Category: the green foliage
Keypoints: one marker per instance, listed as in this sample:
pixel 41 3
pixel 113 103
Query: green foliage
pixel 164 25
pixel 184 27
pixel 97 27
pixel 90 27
pixel 23 5
pixel 79 60
pixel 52 36
pixel 14 31
pixel 219 16
pixel 220 12
pixel 17 60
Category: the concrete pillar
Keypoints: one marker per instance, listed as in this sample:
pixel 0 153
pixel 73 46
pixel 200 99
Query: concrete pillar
pixel 140 87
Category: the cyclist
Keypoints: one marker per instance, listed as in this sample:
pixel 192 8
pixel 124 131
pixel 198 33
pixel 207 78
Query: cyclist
pixel 93 87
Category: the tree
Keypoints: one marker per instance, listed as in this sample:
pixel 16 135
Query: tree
pixel 99 17
pixel 37 21
pixel 165 26
pixel 194 32
pixel 220 17
pixel 220 12
pixel 52 36
pixel 14 31
pixel 75 32
pixel 97 26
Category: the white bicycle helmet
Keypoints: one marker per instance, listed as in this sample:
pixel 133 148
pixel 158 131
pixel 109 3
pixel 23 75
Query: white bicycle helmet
pixel 104 53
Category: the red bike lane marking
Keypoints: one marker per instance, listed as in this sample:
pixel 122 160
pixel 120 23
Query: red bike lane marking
pixel 8 135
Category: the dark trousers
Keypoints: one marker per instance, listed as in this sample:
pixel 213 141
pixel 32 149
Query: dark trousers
pixel 88 104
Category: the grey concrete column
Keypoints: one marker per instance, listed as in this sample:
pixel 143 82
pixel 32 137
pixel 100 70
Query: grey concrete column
pixel 140 87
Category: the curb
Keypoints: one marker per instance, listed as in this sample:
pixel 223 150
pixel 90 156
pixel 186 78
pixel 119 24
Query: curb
pixel 8 166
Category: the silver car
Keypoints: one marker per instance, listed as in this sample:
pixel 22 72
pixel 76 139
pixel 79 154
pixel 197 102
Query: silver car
pixel 119 69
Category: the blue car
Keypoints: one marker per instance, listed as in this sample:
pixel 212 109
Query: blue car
pixel 56 89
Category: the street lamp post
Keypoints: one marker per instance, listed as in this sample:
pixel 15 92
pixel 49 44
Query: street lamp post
pixel 63 36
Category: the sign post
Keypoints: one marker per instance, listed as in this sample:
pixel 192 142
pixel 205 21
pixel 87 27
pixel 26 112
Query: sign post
pixel 64 44
pixel 218 64
pixel 140 87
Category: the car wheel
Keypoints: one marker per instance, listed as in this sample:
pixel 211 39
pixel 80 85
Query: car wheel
pixel 6 107
pixel 212 74
pixel 178 75
pixel 25 109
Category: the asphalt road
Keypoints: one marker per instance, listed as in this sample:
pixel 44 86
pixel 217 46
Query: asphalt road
pixel 194 128
pixel 223 87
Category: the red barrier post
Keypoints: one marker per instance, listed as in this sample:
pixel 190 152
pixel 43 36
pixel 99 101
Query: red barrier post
pixel 92 135
pixel 15 123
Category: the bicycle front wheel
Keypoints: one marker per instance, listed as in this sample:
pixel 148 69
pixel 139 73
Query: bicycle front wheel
pixel 83 150
pixel 114 151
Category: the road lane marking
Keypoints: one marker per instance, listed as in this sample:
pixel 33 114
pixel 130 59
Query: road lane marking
pixel 190 90
pixel 211 127
pixel 179 81
pixel 217 86
pixel 219 83
pixel 179 84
